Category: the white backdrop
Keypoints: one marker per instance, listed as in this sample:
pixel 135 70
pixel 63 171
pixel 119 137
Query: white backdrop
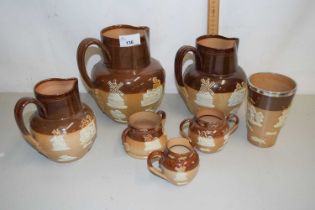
pixel 39 38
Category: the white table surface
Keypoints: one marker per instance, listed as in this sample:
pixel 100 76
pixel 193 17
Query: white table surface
pixel 241 176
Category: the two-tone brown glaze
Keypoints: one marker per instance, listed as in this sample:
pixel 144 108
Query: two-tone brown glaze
pixel 215 80
pixel 129 80
pixel 144 134
pixel 269 100
pixel 209 130
pixel 178 163
pixel 63 129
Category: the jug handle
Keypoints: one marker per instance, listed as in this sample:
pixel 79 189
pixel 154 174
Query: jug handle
pixel 233 118
pixel 183 125
pixel 155 155
pixel 179 62
pixel 123 138
pixel 83 46
pixel 18 113
pixel 162 114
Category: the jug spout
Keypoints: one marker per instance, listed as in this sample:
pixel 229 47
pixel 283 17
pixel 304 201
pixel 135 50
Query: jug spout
pixel 128 46
pixel 218 54
pixel 60 97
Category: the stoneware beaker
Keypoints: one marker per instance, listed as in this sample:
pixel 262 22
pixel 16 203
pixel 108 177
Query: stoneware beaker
pixel 269 99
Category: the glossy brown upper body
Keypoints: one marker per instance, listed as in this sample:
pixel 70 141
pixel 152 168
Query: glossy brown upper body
pixel 126 73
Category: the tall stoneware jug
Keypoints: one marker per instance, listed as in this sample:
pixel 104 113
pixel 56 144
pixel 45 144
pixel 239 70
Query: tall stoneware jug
pixel 215 80
pixel 128 80
pixel 63 129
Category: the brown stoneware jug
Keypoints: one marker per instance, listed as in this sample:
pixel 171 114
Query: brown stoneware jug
pixel 63 129
pixel 129 80
pixel 209 130
pixel 215 80
pixel 178 163
pixel 144 134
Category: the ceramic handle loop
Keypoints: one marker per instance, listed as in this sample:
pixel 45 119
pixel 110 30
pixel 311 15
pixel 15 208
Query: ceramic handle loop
pixel 154 156
pixel 232 118
pixel 18 113
pixel 123 138
pixel 183 125
pixel 83 46
pixel 179 61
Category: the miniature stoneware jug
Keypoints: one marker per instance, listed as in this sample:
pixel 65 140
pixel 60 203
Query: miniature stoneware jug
pixel 209 130
pixel 178 164
pixel 215 80
pixel 144 134
pixel 129 80
pixel 63 129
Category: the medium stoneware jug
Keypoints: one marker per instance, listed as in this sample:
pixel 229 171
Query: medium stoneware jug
pixel 129 80
pixel 144 134
pixel 178 163
pixel 215 80
pixel 209 130
pixel 63 129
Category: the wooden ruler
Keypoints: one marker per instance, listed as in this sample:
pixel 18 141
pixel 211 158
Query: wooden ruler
pixel 213 16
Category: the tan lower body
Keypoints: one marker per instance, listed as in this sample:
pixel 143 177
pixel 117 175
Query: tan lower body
pixel 131 103
pixel 141 150
pixel 220 101
pixel 179 178
pixel 66 147
pixel 264 133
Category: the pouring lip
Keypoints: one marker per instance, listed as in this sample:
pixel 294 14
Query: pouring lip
pixel 217 50
pixel 64 94
pixel 123 26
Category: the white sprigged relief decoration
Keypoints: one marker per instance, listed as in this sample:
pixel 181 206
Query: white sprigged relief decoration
pixel 204 96
pixel 206 141
pixel 115 98
pixel 181 175
pixel 118 116
pixel 152 145
pixel 258 140
pixel 238 95
pixel 58 142
pixel 254 118
pixel 66 158
pixel 152 95
pixel 282 119
pixel 87 132
pixel 226 138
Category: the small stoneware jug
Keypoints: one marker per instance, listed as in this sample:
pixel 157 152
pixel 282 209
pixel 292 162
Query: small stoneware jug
pixel 215 80
pixel 129 80
pixel 63 129
pixel 209 130
pixel 144 134
pixel 178 163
